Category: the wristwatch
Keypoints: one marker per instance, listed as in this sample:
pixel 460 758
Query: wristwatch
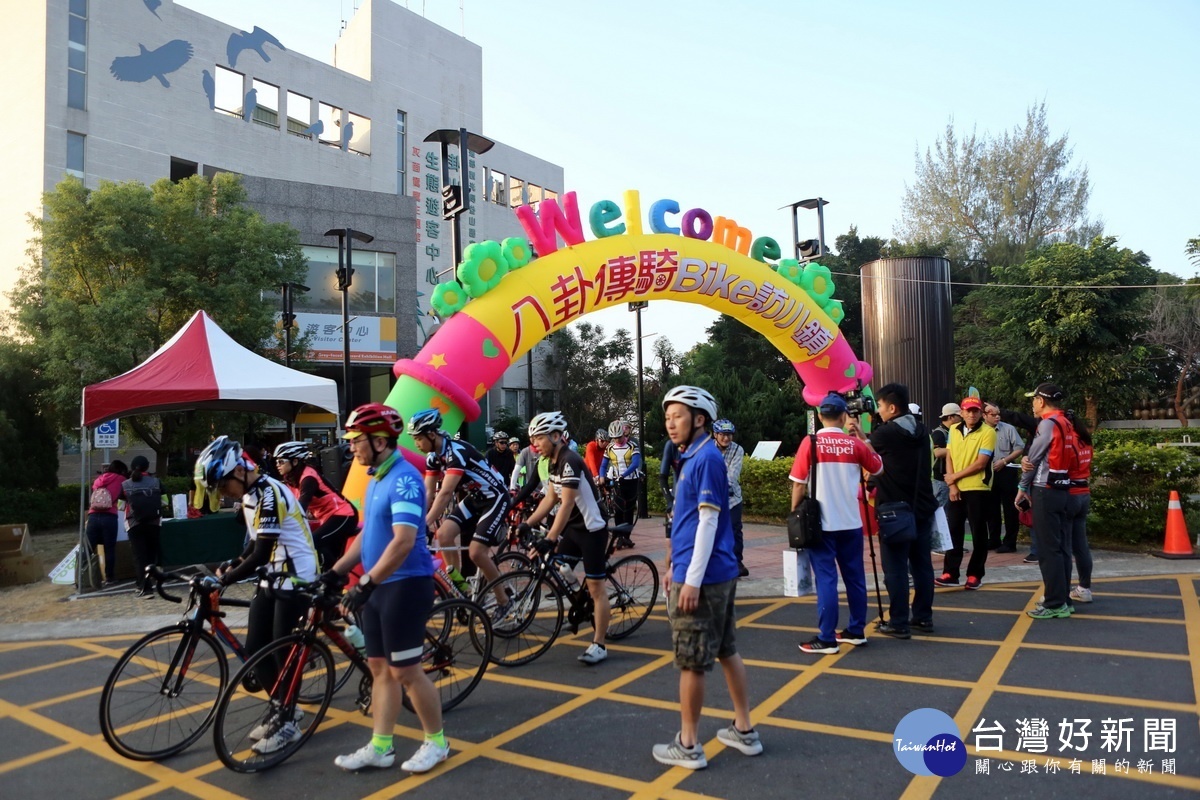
pixel 365 581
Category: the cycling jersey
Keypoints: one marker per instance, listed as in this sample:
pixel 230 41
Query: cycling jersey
pixel 395 496
pixel 569 472
pixel 622 461
pixel 478 479
pixel 271 510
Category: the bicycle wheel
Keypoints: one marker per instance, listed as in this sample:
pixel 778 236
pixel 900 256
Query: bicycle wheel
pixel 162 694
pixel 458 647
pixel 247 726
pixel 533 621
pixel 632 591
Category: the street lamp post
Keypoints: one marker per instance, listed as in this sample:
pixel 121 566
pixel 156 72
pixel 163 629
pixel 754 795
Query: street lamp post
pixel 810 248
pixel 636 308
pixel 289 319
pixel 345 275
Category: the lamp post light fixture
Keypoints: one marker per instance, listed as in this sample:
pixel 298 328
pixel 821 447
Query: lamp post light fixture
pixel 289 319
pixel 636 308
pixel 456 199
pixel 810 248
pixel 345 276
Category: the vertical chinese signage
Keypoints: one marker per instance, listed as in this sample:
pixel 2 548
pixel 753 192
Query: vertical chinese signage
pixel 433 233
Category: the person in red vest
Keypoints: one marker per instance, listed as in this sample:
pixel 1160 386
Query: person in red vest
pixel 593 454
pixel 333 518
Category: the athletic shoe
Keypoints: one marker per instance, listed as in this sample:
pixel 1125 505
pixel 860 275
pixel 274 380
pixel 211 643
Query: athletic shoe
pixel 594 654
pixel 1041 612
pixel 1030 559
pixel 427 757
pixel 676 755
pixel 264 727
pixel 742 570
pixel 366 756
pixel 888 629
pixel 856 639
pixel 284 735
pixel 925 626
pixel 973 583
pixel 748 743
pixel 819 646
pixel 1081 595
pixel 504 617
pixel 946 580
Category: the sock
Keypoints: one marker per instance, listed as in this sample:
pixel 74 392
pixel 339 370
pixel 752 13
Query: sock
pixel 438 738
pixel 600 645
pixel 381 742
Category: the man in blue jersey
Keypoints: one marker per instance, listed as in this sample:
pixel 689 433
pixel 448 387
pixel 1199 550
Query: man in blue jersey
pixel 395 593
pixel 701 581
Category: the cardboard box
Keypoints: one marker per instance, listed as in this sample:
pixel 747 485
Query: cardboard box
pixel 18 564
pixel 798 578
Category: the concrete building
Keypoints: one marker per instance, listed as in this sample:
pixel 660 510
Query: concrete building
pixel 130 90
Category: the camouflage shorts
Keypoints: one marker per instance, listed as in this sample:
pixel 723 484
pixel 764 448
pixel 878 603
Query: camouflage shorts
pixel 707 633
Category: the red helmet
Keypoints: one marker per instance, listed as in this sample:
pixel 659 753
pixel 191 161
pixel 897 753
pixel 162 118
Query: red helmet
pixel 374 418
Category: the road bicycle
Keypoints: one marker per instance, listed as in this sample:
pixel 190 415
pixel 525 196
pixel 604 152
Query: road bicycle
pixel 162 694
pixel 456 653
pixel 538 611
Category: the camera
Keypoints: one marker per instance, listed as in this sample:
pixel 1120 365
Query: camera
pixel 858 403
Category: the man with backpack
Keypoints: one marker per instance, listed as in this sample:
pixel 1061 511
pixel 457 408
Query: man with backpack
pixel 1047 468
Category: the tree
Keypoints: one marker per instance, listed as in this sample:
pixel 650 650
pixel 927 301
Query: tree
pixel 597 383
pixel 997 199
pixel 1175 326
pixel 116 271
pixel 28 455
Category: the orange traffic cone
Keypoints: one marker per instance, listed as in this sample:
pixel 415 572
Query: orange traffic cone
pixel 1177 543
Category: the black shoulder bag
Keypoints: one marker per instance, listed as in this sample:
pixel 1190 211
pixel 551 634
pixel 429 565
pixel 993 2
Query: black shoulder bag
pixel 804 523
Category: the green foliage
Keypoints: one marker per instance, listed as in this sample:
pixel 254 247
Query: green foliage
pixel 28 456
pixel 597 383
pixel 504 419
pixel 118 270
pixel 42 509
pixel 1105 438
pixel 766 490
pixel 1130 486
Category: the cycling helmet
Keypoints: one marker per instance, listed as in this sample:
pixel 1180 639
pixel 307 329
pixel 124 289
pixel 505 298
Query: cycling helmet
pixel 427 421
pixel 547 422
pixel 601 434
pixel 500 436
pixel 217 462
pixel 723 426
pixel 618 428
pixel 693 397
pixel 292 451
pixel 373 418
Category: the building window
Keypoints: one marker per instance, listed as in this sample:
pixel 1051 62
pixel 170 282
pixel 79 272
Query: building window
pixel 401 156
pixel 299 114
pixel 360 134
pixel 182 169
pixel 534 193
pixel 266 109
pixel 330 118
pixel 496 187
pixel 230 92
pixel 75 154
pixel 512 402
pixel 516 192
pixel 372 288
pixel 77 55
pixel 549 195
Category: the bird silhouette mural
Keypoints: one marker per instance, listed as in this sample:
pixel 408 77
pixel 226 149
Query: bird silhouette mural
pixel 347 134
pixel 157 63
pixel 153 5
pixel 210 89
pixel 254 40
pixel 250 103
pixel 316 129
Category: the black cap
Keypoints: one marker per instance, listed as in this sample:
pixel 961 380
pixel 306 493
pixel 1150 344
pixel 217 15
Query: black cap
pixel 1048 391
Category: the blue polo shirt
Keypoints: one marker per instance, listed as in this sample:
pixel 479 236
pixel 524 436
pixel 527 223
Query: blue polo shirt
pixel 395 496
pixel 703 480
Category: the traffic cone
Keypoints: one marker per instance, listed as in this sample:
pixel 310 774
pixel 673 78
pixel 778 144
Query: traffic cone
pixel 1177 543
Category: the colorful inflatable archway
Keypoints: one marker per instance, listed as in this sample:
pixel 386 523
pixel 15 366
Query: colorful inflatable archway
pixel 518 301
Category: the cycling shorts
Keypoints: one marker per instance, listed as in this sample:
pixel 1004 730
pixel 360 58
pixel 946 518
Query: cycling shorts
pixel 577 542
pixel 486 521
pixel 393 620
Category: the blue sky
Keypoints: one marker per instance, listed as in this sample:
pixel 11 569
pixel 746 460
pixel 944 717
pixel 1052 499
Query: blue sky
pixel 741 108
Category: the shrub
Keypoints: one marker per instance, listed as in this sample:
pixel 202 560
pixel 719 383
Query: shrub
pixel 1130 486
pixel 766 490
pixel 42 509
pixel 1104 438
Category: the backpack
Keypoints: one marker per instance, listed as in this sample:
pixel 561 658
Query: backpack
pixel 101 499
pixel 143 500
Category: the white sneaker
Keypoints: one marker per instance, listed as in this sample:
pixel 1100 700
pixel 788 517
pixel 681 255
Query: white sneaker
pixel 748 743
pixel 676 755
pixel 427 757
pixel 594 654
pixel 1081 595
pixel 366 756
pixel 285 735
pixel 263 727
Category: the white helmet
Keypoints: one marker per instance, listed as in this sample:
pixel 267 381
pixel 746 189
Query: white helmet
pixel 547 422
pixel 618 428
pixel 693 397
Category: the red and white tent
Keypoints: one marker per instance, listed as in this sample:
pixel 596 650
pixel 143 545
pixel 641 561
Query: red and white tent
pixel 202 367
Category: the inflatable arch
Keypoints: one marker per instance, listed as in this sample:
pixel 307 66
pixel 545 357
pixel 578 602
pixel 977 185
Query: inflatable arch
pixel 516 301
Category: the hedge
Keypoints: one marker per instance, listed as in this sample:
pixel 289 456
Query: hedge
pixel 58 508
pixel 766 490
pixel 1130 487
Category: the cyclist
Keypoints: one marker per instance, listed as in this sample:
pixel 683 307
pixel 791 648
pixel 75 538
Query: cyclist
pixel 579 529
pixel 334 519
pixel 395 594
pixel 279 538
pixel 483 513
pixel 622 466
pixel 593 454
pixel 499 457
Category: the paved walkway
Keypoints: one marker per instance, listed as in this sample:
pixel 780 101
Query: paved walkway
pixel 1127 664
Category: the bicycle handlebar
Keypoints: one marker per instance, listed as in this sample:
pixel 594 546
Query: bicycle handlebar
pixel 200 577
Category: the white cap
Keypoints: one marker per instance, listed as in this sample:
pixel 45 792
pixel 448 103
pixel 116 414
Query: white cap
pixel 950 408
pixel 913 408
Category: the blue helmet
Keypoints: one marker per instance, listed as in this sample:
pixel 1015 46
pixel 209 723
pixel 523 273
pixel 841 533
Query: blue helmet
pixel 724 426
pixel 427 421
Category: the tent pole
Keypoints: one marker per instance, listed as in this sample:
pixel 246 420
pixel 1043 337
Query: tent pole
pixel 81 554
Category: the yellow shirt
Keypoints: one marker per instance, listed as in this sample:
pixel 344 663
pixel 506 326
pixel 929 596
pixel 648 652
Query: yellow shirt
pixel 965 447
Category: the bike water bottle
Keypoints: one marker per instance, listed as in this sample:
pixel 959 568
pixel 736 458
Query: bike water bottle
pixel 568 575
pixel 355 637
